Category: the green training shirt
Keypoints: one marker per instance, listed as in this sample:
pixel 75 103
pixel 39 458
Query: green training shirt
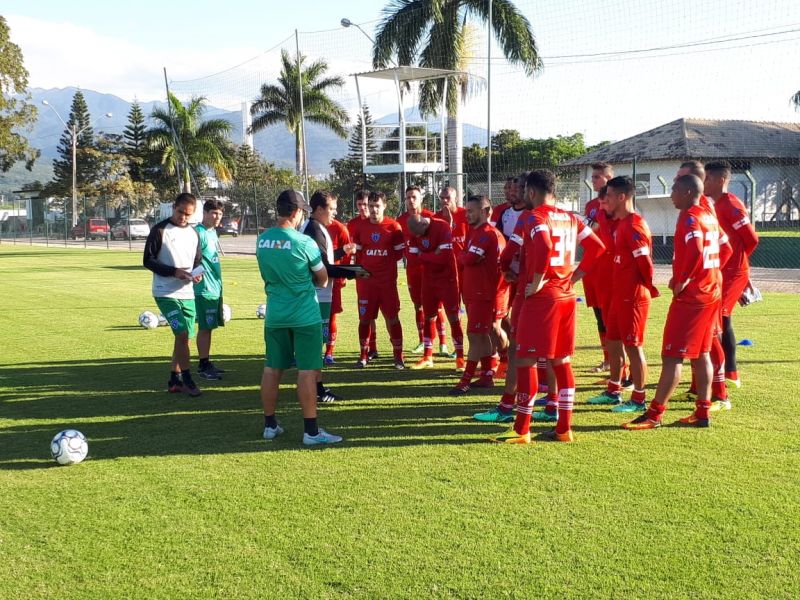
pixel 211 284
pixel 286 259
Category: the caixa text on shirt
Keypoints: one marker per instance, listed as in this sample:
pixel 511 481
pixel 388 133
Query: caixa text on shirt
pixel 276 244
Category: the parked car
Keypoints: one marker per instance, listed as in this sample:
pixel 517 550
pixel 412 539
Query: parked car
pixel 228 226
pixel 138 228
pixel 92 229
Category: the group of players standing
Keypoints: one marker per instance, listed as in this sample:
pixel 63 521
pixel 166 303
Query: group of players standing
pixel 514 267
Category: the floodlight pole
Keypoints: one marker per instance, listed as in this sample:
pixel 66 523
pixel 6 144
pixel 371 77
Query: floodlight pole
pixel 302 114
pixel 489 104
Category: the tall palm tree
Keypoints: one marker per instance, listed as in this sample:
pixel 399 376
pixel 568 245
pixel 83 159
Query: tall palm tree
pixel 796 100
pixel 187 144
pixel 280 103
pixel 436 34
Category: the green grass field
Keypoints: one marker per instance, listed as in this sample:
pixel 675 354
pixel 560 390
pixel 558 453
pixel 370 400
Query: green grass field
pixel 181 498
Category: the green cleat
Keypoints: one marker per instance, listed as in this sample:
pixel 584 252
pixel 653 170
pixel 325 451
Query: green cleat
pixel 419 349
pixel 629 407
pixel 494 415
pixel 542 416
pixel 444 351
pixel 604 398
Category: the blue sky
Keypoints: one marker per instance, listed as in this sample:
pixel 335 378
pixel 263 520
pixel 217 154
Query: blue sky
pixel 601 77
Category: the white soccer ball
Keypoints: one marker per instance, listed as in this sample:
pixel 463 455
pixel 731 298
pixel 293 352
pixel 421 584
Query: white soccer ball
pixel 261 311
pixel 69 447
pixel 148 320
pixel 162 320
pixel 227 313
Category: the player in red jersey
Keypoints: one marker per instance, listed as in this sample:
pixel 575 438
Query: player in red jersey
pixel 593 287
pixel 432 242
pixel 455 216
pixel 342 249
pixel 696 286
pixel 414 270
pixel 735 222
pixel 546 326
pixel 362 218
pixel 379 245
pixel 632 283
pixel 481 271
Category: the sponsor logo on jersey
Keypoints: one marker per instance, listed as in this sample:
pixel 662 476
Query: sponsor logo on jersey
pixel 377 252
pixel 275 244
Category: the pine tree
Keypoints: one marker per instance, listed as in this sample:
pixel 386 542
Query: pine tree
pixel 354 145
pixel 135 142
pixel 62 167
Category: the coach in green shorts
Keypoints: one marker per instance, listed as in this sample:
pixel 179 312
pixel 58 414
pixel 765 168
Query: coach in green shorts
pixel 291 267
pixel 172 253
pixel 208 292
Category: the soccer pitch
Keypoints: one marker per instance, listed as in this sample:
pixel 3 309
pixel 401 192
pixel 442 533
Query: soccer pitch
pixel 181 498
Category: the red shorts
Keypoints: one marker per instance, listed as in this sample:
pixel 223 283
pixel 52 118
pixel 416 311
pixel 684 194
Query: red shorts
pixel 512 293
pixel 377 296
pixel 414 281
pixel 546 328
pixel 689 329
pixel 480 315
pixel 589 284
pixel 732 287
pixel 626 322
pixel 336 302
pixel 442 292
pixel 501 301
pixel 516 309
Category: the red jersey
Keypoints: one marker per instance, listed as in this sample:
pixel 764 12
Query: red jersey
pixel 411 259
pixel 339 237
pixel 378 248
pixel 435 251
pixel 354 223
pixel 633 261
pixel 551 247
pixel 458 227
pixel 512 258
pixel 480 259
pixel 735 222
pixel 497 211
pixel 697 257
pixel 591 211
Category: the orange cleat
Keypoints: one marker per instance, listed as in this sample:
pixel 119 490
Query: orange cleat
pixel 554 436
pixel 694 421
pixel 460 364
pixel 642 422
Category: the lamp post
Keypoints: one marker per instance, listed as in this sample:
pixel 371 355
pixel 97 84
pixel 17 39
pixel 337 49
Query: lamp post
pixel 74 132
pixel 348 23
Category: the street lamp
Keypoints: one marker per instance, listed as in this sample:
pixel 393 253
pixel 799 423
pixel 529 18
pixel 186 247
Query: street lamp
pixel 74 132
pixel 348 23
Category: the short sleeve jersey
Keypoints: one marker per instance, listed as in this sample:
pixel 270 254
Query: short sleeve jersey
pixel 339 236
pixel 632 240
pixel 286 259
pixel 732 216
pixel 378 248
pixel 517 239
pixel 211 284
pixel 551 247
pixel 411 259
pixel 481 277
pixel 353 225
pixel 438 237
pixel 458 228
pixel 705 286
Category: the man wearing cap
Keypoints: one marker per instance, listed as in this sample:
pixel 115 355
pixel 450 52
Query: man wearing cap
pixel 291 267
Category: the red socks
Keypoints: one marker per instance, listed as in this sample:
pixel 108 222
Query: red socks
pixel 332 330
pixel 427 338
pixel 526 383
pixel 396 337
pixel 440 327
pixel 566 396
pixel 469 372
pixel 506 403
pixel 420 318
pixel 364 331
pixel 458 338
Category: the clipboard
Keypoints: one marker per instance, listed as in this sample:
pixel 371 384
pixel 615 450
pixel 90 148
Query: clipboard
pixel 357 269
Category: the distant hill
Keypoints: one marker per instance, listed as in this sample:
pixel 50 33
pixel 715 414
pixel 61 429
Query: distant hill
pixel 275 144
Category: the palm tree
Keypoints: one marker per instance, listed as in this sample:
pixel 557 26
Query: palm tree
pixel 436 34
pixel 187 144
pixel 796 100
pixel 280 103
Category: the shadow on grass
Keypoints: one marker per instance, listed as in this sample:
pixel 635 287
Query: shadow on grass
pixel 122 406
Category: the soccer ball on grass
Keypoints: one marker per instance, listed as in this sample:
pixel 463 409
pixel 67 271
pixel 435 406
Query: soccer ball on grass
pixel 227 313
pixel 69 447
pixel 261 311
pixel 148 320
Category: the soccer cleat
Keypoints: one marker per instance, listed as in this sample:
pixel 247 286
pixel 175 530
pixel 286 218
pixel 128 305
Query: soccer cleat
pixel 460 363
pixel 322 437
pixel 605 398
pixel 215 367
pixel 419 348
pixel 737 382
pixel 641 422
pixel 693 421
pixel 174 388
pixel 720 405
pixel 326 397
pixel 399 364
pixel 687 396
pixel 629 407
pixel 554 436
pixel 423 363
pixel 210 372
pixel 484 382
pixel 627 384
pixel 328 360
pixel 494 415
pixel 542 416
pixel 444 351
pixel 601 368
pixel 512 437
pixel 373 355
pixel 270 433
pixel 361 363
pixel 459 390
pixel 541 401
pixel 192 389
